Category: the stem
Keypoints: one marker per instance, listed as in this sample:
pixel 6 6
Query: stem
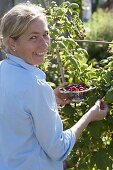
pixel 60 65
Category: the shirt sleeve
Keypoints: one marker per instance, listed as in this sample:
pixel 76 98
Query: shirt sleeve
pixel 47 124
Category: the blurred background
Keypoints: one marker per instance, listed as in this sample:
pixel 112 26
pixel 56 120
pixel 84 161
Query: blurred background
pixel 87 6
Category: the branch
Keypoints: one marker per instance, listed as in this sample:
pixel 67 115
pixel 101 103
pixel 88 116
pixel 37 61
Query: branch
pixel 60 65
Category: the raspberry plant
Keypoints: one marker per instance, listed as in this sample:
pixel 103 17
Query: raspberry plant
pixel 93 151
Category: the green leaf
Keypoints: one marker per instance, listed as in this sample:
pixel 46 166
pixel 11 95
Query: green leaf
pixel 74 5
pixel 74 62
pixel 101 159
pixel 109 95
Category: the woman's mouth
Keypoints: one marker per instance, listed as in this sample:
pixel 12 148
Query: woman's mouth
pixel 39 54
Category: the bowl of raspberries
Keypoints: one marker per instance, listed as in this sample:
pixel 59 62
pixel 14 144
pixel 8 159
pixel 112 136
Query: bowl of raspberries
pixel 76 91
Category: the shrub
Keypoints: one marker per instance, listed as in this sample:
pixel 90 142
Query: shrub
pixel 93 150
pixel 99 27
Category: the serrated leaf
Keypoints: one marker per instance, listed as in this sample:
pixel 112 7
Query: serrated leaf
pixel 109 95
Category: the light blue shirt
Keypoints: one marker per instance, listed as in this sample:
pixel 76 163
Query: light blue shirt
pixel 31 131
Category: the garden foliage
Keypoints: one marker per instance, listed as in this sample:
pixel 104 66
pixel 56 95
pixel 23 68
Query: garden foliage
pixel 93 151
pixel 99 27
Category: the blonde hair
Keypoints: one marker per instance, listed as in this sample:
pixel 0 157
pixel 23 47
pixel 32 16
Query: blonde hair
pixel 16 21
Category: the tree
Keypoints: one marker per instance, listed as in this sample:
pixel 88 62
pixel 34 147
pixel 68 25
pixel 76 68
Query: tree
pixel 5 6
pixel 109 4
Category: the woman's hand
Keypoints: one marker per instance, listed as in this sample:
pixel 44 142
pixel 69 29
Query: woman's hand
pixel 61 98
pixel 98 111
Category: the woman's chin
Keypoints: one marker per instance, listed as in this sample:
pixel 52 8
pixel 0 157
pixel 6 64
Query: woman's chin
pixel 39 60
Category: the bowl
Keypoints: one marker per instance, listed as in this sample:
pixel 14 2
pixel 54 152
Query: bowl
pixel 76 91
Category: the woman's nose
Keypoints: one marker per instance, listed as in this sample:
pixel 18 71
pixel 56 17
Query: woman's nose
pixel 44 43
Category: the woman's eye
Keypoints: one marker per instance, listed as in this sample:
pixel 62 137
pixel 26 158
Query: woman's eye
pixel 46 34
pixel 33 37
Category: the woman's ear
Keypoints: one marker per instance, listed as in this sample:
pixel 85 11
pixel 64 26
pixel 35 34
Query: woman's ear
pixel 11 44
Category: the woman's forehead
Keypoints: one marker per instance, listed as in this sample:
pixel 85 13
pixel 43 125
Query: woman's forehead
pixel 40 23
pixel 37 26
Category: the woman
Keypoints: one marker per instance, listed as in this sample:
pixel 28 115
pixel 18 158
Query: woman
pixel 31 131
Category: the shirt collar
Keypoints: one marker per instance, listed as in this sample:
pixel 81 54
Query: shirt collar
pixel 20 62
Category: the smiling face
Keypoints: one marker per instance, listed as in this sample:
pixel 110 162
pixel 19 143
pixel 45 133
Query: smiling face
pixel 33 43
